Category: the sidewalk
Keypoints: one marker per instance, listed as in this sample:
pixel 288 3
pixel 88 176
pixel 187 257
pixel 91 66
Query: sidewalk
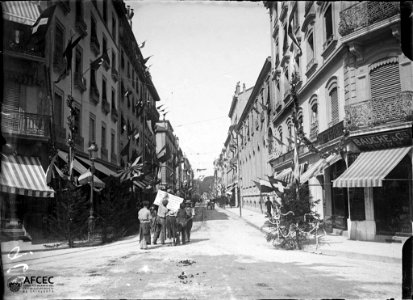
pixel 334 245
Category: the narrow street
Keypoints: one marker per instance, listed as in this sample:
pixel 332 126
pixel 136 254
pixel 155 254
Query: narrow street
pixel 226 259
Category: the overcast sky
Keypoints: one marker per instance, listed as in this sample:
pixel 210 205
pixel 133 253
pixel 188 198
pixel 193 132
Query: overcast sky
pixel 201 49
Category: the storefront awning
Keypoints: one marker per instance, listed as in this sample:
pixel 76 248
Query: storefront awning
pixel 100 167
pixel 318 167
pixel 76 164
pixel 370 168
pixel 24 176
pixel 23 12
pixel 287 175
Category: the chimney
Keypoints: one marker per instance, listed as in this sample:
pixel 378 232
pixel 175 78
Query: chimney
pixel 237 88
pixel 243 87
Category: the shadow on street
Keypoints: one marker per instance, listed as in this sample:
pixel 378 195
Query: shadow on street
pixel 212 215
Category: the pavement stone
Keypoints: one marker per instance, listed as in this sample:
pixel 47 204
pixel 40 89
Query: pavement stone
pixel 333 245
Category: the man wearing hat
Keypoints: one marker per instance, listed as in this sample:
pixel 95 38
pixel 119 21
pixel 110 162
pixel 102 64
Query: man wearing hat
pixel 190 211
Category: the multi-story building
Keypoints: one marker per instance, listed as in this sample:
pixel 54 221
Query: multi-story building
pixel 166 151
pixel 347 83
pixel 26 115
pixel 138 97
pixel 254 134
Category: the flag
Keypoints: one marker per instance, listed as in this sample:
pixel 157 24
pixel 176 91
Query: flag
pixel 49 171
pixel 291 32
pixel 149 123
pixel 128 92
pixel 277 184
pixel 136 136
pixel 160 106
pixel 44 20
pixel 142 45
pixel 146 59
pixel 125 150
pixel 97 62
pixel 68 53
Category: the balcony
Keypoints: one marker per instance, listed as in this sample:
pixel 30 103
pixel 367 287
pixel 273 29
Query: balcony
pixel 364 14
pixel 79 142
pixel 26 124
pixel 104 153
pixel 80 82
pixel 115 74
pixel 311 67
pixel 94 44
pixel 81 26
pixel 114 114
pixel 314 130
pixel 329 46
pixel 380 110
pixel 22 51
pixel 113 158
pixel 94 95
pixel 105 106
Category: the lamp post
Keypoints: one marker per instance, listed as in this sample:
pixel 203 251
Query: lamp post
pixel 91 220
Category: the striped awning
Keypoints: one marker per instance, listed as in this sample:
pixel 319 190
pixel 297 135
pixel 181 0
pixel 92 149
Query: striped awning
pixel 318 167
pixel 287 175
pixel 24 175
pixel 370 168
pixel 23 12
pixel 100 167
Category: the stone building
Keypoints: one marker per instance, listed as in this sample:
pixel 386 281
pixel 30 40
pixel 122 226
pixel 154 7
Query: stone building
pixel 355 106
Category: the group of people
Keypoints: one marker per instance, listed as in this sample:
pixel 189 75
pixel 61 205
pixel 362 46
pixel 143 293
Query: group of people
pixel 165 223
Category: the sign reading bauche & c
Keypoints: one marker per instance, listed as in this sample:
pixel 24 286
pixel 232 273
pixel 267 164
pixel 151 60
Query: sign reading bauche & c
pixel 382 140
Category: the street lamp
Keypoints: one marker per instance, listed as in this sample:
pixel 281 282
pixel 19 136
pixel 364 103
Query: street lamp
pixel 91 221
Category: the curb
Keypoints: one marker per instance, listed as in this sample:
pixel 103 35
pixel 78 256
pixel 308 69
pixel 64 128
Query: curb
pixel 347 254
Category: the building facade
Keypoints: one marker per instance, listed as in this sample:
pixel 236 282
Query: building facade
pixel 349 93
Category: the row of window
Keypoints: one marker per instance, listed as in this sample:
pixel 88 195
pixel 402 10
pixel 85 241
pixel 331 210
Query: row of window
pixel 103 140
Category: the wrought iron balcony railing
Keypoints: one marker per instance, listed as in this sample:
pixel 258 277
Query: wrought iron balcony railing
pixel 380 110
pixel 28 124
pixel 364 14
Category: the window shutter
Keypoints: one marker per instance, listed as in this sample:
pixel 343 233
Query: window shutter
pixel 385 80
pixel 11 98
pixel 334 106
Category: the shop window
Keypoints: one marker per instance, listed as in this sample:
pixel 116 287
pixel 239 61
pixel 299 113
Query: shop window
pixel 357 209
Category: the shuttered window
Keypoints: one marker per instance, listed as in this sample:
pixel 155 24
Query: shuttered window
pixel 385 80
pixel 334 106
pixel 11 96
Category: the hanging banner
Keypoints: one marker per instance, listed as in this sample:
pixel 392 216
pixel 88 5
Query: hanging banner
pixel 173 201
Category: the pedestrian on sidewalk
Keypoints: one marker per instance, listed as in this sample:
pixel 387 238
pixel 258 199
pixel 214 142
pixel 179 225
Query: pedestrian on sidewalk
pixel 153 219
pixel 144 216
pixel 171 226
pixel 190 211
pixel 269 205
pixel 181 221
pixel 161 222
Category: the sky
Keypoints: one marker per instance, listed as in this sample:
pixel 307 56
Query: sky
pixel 200 50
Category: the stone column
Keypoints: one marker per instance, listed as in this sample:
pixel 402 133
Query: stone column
pixel 370 229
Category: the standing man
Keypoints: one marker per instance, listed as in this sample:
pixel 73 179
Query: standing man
pixel 161 222
pixel 144 216
pixel 171 226
pixel 268 204
pixel 190 211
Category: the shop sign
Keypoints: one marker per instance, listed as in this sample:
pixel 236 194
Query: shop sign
pixel 331 133
pixel 384 140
